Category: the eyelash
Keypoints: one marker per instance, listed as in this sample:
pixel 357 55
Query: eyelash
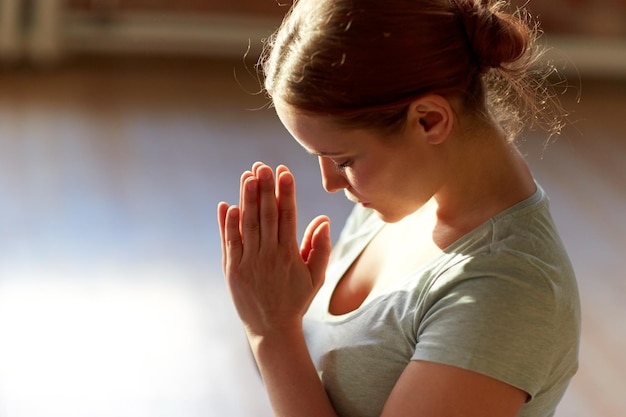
pixel 342 166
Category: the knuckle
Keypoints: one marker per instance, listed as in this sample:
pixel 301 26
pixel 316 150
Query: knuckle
pixel 288 214
pixel 233 244
pixel 251 227
pixel 269 216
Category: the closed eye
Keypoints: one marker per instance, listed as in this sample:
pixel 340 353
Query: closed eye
pixel 343 165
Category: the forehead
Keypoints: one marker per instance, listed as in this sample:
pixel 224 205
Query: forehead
pixel 318 134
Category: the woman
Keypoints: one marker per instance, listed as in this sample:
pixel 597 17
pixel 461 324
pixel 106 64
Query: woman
pixel 449 292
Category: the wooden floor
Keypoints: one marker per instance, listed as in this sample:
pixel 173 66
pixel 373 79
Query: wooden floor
pixel 111 296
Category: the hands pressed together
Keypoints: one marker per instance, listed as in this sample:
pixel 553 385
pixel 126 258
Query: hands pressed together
pixel 270 279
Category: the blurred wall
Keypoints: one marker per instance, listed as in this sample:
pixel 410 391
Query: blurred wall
pixel 44 31
pixel 590 35
pixel 603 18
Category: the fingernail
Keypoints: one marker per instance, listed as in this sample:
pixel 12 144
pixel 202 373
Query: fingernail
pixel 251 184
pixel 264 174
pixel 286 179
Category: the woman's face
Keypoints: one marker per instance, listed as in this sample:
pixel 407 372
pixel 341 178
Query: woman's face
pixel 393 175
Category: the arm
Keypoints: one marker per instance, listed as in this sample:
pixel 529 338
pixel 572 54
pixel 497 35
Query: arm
pixel 272 283
pixel 432 389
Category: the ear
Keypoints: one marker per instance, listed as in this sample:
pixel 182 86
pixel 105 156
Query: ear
pixel 433 117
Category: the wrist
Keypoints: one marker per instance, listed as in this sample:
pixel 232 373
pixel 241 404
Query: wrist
pixel 279 333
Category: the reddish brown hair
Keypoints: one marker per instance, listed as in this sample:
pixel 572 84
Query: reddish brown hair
pixel 365 61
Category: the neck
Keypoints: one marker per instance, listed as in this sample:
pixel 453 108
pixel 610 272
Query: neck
pixel 487 175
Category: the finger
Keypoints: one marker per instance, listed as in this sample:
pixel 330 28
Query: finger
pixel 319 254
pixel 222 209
pixel 307 239
pixel 249 218
pixel 232 240
pixel 242 180
pixel 268 210
pixel 256 166
pixel 280 169
pixel 287 208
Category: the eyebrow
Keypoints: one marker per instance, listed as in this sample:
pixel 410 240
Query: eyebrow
pixel 325 153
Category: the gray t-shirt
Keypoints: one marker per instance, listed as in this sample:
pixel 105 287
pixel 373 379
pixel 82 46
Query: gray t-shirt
pixel 501 301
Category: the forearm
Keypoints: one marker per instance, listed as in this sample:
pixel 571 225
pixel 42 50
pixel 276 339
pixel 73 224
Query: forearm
pixel 272 282
pixel 291 380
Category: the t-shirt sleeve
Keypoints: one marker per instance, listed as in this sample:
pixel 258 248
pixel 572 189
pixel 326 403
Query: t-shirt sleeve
pixel 501 322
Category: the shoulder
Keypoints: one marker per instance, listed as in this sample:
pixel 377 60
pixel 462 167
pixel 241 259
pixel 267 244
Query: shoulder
pixel 507 313
pixel 520 272
pixel 521 243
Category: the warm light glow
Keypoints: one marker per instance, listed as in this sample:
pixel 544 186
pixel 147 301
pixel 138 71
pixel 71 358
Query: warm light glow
pixel 101 347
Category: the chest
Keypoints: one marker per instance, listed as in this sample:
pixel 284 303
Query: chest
pixel 390 256
pixel 360 358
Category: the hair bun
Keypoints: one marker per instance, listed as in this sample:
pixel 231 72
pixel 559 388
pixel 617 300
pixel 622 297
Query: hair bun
pixel 497 38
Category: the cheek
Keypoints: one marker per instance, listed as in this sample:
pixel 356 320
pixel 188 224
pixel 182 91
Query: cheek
pixel 367 181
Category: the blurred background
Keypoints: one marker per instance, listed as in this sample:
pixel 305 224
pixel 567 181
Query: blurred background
pixel 124 122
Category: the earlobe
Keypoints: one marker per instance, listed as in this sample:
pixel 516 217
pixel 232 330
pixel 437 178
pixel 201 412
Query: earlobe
pixel 433 116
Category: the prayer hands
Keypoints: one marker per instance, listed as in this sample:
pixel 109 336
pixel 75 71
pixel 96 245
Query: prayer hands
pixel 270 280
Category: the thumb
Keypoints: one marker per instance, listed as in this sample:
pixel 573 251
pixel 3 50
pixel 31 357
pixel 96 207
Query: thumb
pixel 319 254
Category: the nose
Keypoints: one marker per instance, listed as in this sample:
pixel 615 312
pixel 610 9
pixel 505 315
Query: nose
pixel 332 179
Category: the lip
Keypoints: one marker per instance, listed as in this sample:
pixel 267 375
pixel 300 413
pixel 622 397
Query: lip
pixel 353 198
pixel 356 200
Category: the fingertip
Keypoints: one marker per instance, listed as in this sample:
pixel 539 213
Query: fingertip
pixel 325 234
pixel 322 219
pixel 245 175
pixel 264 172
pixel 231 223
pixel 322 231
pixel 285 178
pixel 282 168
pixel 233 212
pixel 251 184
pixel 325 229
pixel 256 166
pixel 222 208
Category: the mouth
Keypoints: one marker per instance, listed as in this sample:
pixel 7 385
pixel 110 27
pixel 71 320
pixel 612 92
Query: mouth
pixel 355 200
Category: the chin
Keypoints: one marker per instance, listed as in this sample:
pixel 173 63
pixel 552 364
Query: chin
pixel 389 217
